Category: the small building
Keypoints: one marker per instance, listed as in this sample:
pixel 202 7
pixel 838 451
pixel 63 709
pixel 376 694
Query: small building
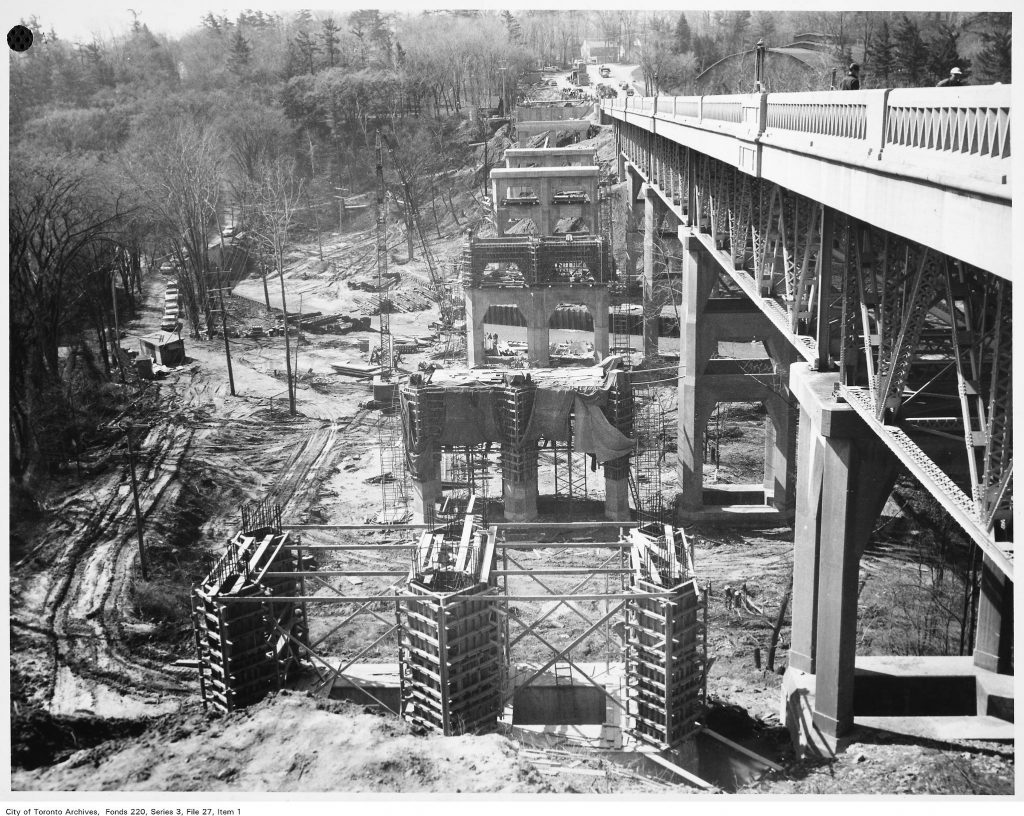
pixel 164 348
pixel 600 50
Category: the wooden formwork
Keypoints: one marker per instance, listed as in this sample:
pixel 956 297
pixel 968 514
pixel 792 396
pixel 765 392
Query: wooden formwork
pixel 450 658
pixel 666 649
pixel 246 649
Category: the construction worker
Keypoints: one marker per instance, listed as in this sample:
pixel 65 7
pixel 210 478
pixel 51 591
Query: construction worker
pixel 851 82
pixel 954 80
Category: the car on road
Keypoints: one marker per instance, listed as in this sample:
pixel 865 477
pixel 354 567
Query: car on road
pixel 630 92
pixel 549 68
pixel 623 85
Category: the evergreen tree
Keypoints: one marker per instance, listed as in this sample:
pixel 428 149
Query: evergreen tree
pixel 992 63
pixel 881 56
pixel 738 24
pixel 706 51
pixel 307 48
pixel 239 55
pixel 911 54
pixel 762 27
pixel 943 53
pixel 515 31
pixel 329 34
pixel 682 34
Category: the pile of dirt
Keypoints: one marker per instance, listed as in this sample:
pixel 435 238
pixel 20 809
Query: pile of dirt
pixel 290 743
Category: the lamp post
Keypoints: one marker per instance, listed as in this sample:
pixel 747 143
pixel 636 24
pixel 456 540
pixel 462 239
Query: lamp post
pixel 759 52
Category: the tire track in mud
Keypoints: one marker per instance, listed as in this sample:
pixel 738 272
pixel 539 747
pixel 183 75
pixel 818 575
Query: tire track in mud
pixel 297 488
pixel 91 664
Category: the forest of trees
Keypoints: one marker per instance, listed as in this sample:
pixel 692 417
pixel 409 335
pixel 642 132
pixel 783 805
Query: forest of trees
pixel 128 150
pixel 712 51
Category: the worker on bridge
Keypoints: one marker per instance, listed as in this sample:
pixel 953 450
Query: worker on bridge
pixel 954 80
pixel 851 82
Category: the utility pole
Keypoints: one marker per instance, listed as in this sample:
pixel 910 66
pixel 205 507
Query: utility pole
pixel 227 344
pixel 298 340
pixel 143 564
pixel 117 327
pixel 287 343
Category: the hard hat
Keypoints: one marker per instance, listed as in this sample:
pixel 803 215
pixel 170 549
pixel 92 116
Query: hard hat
pixel 956 71
pixel 854 66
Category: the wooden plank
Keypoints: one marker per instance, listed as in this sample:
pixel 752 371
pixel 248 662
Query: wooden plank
pixel 443 668
pixel 487 559
pixel 693 779
pixel 670 544
pixel 741 749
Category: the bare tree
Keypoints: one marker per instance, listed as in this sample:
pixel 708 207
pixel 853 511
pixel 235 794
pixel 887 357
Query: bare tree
pixel 181 174
pixel 276 194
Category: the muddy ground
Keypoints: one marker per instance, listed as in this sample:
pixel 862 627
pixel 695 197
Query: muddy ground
pixel 101 699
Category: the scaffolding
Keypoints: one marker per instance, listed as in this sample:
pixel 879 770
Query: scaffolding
pixel 525 260
pixel 465 480
pixel 391 444
pixel 570 468
pixel 649 433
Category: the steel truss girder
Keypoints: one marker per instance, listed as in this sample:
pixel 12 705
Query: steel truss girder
pixel 900 327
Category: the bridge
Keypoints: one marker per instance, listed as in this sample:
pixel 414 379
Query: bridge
pixel 865 239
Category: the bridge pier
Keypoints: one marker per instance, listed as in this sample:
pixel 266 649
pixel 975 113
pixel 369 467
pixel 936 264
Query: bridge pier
pixel 652 312
pixel 704 383
pixel 845 476
pixel 993 649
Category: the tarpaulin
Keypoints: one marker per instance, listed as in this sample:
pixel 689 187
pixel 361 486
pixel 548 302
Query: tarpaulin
pixel 469 417
pixel 596 435
pixel 550 417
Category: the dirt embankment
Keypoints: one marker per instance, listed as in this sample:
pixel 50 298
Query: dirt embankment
pixel 293 743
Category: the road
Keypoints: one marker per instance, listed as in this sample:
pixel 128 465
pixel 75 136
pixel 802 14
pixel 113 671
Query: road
pixel 620 72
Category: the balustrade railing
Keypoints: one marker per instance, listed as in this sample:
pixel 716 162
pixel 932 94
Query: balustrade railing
pixel 927 127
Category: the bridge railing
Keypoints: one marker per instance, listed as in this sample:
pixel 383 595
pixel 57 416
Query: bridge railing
pixel 930 133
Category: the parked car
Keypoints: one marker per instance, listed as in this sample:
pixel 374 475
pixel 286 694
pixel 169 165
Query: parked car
pixel 630 92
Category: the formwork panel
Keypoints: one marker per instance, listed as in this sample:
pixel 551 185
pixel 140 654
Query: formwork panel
pixel 450 659
pixel 666 647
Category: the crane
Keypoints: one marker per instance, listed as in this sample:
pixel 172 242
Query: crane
pixel 440 288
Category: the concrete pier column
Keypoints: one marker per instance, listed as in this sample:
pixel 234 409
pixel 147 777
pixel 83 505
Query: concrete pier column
pixel 769 456
pixel 858 474
pixel 696 346
pixel 616 497
pixel 806 541
pixel 780 451
pixel 780 459
pixel 538 339
pixel 476 309
pixel 426 490
pixel 521 498
pixel 599 310
pixel 651 312
pixel 993 645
